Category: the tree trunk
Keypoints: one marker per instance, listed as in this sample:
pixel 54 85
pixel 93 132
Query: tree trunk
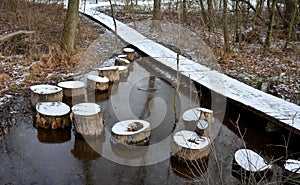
pixel 225 31
pixel 71 26
pixel 291 22
pixel 270 26
pixel 210 15
pixel 155 25
pixel 184 13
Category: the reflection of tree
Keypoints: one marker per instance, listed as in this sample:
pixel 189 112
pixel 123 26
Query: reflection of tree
pixel 146 112
pixel 88 172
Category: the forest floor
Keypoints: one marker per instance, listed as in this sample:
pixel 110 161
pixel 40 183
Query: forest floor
pixel 35 58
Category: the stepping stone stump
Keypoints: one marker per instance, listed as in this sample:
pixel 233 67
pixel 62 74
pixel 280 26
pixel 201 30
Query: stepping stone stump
pixel 72 89
pixel 112 73
pixel 130 53
pixel 87 119
pixel 292 172
pixel 124 72
pixel 131 132
pixel 97 83
pixel 52 115
pixel 45 93
pixel 248 164
pixel 121 62
pixel 187 147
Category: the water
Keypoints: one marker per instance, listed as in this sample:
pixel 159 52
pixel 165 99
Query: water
pixel 36 156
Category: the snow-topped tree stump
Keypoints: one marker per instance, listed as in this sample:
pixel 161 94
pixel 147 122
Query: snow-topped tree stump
pixel 130 53
pixel 72 89
pixel 291 172
pixel 45 93
pixel 247 164
pixel 124 72
pixel 112 73
pixel 87 119
pixel 131 132
pixel 121 62
pixel 187 147
pixel 97 83
pixel 199 120
pixel 52 115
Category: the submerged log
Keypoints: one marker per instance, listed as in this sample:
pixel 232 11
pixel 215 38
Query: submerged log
pixel 112 73
pixel 72 89
pixel 87 119
pixel 248 164
pixel 45 93
pixel 97 83
pixel 52 115
pixel 188 148
pixel 131 132
pixel 130 53
pixel 291 172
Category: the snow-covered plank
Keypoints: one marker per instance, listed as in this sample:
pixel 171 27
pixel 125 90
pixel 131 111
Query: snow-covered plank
pixel 285 113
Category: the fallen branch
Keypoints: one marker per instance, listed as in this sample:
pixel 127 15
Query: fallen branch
pixel 14 34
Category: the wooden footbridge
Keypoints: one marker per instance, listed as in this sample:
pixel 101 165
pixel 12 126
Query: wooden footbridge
pixel 275 109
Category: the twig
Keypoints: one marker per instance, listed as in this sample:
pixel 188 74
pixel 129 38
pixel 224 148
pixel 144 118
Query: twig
pixel 14 34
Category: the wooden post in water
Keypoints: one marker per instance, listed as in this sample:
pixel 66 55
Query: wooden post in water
pixel 121 62
pixel 97 83
pixel 188 148
pixel 130 53
pixel 112 73
pixel 52 115
pixel 45 93
pixel 124 72
pixel 248 164
pixel 87 119
pixel 72 89
pixel 131 132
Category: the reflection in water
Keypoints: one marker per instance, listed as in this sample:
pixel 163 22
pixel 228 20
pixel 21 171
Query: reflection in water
pixel 53 136
pixel 128 151
pixel 83 151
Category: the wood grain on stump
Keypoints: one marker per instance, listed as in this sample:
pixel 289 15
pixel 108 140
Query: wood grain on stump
pixel 130 53
pixel 87 119
pixel 249 164
pixel 112 73
pixel 72 89
pixel 52 115
pixel 97 83
pixel 188 147
pixel 131 132
pixel 45 93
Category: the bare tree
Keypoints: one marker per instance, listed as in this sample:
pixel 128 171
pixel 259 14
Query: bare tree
pixel 70 27
pixel 270 25
pixel 225 30
pixel 155 25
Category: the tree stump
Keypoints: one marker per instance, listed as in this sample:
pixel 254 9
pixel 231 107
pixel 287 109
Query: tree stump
pixel 291 173
pixel 191 118
pixel 203 128
pixel 130 53
pixel 123 71
pixel 121 62
pixel 188 148
pixel 52 115
pixel 248 164
pixel 131 132
pixel 45 93
pixel 97 83
pixel 87 119
pixel 112 73
pixel 207 115
pixel 72 89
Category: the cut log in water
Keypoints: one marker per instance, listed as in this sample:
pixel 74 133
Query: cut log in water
pixel 52 115
pixel 131 132
pixel 87 119
pixel 292 171
pixel 206 114
pixel 45 93
pixel 121 62
pixel 187 147
pixel 112 73
pixel 130 53
pixel 72 89
pixel 248 164
pixel 97 83
pixel 124 73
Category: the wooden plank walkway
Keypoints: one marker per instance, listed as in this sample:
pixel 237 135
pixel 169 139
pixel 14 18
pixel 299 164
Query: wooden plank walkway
pixel 276 109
